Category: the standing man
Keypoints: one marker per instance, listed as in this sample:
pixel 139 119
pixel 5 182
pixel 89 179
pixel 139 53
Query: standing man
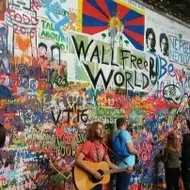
pixel 94 150
pixel 2 135
pixel 2 141
pixel 123 179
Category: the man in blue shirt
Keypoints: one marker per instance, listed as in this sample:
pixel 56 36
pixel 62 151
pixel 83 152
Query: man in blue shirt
pixel 123 179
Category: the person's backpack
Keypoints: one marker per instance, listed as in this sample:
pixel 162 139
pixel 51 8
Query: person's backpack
pixel 119 147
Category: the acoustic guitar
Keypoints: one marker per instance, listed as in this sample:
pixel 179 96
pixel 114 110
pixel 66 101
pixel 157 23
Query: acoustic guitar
pixel 85 181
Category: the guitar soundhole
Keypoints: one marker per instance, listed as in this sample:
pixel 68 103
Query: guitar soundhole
pixel 93 179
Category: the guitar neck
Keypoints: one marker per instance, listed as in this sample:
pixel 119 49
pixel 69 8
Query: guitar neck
pixel 114 171
pixel 135 167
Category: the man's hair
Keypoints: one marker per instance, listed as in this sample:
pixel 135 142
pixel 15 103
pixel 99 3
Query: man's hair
pixel 41 44
pixel 120 121
pixel 163 36
pixel 91 134
pixel 2 135
pixel 54 47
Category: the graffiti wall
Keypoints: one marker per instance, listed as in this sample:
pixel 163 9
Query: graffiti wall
pixel 64 64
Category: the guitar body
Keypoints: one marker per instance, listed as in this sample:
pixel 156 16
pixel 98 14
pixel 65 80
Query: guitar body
pixel 84 181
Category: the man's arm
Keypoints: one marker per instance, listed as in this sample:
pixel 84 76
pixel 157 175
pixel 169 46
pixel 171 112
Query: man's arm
pixel 113 166
pixel 131 149
pixel 129 143
pixel 80 162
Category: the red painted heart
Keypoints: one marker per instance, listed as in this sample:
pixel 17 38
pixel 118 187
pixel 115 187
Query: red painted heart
pixel 59 132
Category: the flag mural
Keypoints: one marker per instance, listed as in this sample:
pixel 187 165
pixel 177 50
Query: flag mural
pixel 98 16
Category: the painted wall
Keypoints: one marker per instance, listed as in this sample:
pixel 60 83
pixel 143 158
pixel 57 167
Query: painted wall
pixel 66 63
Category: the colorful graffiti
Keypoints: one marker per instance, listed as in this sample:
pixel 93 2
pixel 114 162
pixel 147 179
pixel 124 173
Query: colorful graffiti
pixel 63 65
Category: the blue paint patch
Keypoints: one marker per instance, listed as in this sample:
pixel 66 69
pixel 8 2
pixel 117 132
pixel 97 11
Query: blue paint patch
pixel 5 92
pixel 90 21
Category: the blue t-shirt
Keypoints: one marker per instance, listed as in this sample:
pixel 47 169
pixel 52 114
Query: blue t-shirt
pixel 130 160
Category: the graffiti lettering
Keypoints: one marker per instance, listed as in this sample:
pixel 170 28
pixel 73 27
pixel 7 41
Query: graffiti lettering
pixel 165 68
pixel 55 78
pixel 129 79
pixel 96 53
pixel 80 115
pixel 81 137
pixel 131 73
pixel 64 151
pixel 24 23
pixel 179 50
pixel 3 69
pixel 49 32
pixel 28 83
pixel 31 72
pixel 22 19
pixel 172 92
pixel 53 15
pixel 102 112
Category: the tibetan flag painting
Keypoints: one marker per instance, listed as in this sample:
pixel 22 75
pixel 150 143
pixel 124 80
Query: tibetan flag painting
pixel 100 15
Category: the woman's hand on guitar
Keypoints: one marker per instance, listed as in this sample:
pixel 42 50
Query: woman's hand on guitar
pixel 97 175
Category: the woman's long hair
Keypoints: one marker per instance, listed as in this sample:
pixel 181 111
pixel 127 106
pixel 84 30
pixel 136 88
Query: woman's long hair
pixel 172 142
pixel 91 134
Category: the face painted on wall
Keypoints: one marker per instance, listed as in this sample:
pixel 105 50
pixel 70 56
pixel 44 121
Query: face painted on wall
pixel 55 54
pixel 164 46
pixel 42 51
pixel 150 41
pixel 164 124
